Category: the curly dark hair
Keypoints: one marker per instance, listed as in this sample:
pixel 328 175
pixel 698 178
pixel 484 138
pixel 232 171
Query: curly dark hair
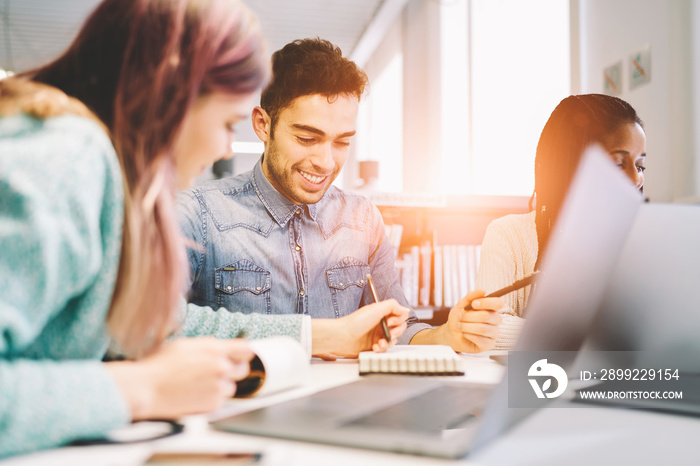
pixel 310 66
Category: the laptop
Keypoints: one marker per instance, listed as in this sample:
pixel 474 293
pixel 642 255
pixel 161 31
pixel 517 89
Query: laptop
pixel 654 287
pixel 449 419
pixel 649 315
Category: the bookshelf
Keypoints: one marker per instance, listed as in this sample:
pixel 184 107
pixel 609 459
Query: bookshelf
pixel 439 241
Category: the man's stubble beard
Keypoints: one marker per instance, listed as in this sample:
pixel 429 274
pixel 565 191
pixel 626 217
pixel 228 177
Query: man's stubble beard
pixel 284 181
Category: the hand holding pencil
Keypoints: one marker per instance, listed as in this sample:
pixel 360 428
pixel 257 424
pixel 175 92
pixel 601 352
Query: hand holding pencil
pixel 373 290
pixel 529 280
pixel 375 327
pixel 472 325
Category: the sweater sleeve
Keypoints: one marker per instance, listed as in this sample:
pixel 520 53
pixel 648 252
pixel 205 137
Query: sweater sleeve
pixel 57 270
pixel 497 268
pixel 510 327
pixel 200 321
pixel 507 256
pixel 46 404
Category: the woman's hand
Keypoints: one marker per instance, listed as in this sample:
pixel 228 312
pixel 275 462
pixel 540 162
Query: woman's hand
pixel 185 376
pixel 468 331
pixel 359 331
pixel 476 329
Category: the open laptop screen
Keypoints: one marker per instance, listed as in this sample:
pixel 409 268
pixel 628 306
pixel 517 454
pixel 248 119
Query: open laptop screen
pixel 584 246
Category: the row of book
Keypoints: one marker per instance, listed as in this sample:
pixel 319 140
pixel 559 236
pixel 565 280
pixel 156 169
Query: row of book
pixel 394 232
pixel 438 276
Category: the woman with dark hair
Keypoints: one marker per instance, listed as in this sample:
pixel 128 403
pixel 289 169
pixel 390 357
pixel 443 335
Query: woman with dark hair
pixel 94 146
pixel 514 245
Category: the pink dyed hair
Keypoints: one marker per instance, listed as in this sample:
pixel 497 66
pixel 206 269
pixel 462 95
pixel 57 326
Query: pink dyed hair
pixel 140 65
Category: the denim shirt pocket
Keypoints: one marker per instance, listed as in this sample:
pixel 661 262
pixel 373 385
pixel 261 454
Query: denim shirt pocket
pixel 347 280
pixel 244 287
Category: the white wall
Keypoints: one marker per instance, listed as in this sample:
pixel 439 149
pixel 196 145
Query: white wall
pixel 612 30
pixel 379 124
pixel 422 125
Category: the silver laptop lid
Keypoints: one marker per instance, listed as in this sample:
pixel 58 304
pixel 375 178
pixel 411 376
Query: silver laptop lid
pixel 595 219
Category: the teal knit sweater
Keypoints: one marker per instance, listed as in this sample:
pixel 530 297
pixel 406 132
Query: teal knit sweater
pixel 60 236
pixel 61 210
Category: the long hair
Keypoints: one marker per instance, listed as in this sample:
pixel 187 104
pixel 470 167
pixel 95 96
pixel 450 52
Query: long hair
pixel 577 122
pixel 140 65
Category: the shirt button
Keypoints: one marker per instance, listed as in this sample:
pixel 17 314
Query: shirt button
pixel 229 287
pixel 298 248
pixel 302 293
pixel 257 288
pixel 298 212
pixel 362 282
pixel 340 284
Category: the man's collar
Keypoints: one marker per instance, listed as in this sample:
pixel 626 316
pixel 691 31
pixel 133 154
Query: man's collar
pixel 280 208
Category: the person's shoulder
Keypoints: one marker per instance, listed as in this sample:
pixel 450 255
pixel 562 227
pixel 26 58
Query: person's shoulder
pixel 338 196
pixel 64 147
pixel 45 121
pixel 339 207
pixel 79 128
pixel 231 186
pixel 515 220
pixel 67 126
pixel 84 142
pixel 38 100
pixel 513 225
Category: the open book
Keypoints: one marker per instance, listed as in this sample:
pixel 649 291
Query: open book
pixel 279 363
pixel 412 359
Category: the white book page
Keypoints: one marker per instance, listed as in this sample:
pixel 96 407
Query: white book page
pixel 285 361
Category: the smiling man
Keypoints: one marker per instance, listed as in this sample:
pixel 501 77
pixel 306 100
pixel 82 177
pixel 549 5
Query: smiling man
pixel 308 146
pixel 281 239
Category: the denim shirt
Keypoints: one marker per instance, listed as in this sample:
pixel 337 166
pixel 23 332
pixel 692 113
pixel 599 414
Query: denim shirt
pixel 260 252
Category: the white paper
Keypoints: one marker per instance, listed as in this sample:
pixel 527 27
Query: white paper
pixel 285 361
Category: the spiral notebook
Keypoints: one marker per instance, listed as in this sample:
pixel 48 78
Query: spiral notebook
pixel 412 359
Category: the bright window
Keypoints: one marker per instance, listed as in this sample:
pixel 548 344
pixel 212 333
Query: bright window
pixel 502 67
pixel 519 70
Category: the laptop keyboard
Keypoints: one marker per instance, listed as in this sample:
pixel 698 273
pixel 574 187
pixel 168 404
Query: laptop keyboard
pixel 441 408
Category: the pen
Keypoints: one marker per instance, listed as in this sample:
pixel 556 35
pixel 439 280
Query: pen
pixel 385 326
pixel 204 457
pixel 510 288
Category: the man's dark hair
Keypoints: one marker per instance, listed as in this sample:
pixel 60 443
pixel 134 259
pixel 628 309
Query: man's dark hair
pixel 307 67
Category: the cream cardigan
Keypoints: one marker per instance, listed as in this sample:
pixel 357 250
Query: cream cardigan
pixel 508 253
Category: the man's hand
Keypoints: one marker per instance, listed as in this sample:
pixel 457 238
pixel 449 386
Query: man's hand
pixel 468 331
pixel 359 331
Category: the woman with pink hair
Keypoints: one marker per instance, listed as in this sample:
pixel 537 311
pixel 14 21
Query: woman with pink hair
pixel 94 146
